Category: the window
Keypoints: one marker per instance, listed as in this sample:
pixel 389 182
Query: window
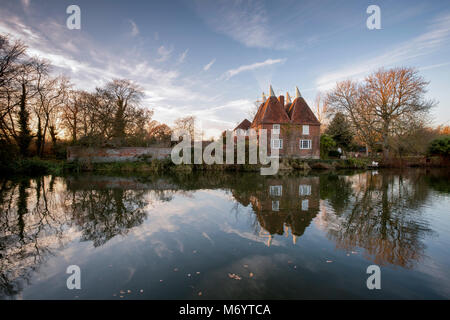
pixel 276 129
pixel 304 190
pixel 276 190
pixel 277 143
pixel 305 130
pixel 305 205
pixel 305 144
pixel 276 205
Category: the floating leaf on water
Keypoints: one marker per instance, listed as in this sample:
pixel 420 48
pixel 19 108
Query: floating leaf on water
pixel 234 276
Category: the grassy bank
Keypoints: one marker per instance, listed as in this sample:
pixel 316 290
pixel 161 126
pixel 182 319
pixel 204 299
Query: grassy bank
pixel 33 167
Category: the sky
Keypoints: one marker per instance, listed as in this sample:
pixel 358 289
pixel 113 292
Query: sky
pixel 213 59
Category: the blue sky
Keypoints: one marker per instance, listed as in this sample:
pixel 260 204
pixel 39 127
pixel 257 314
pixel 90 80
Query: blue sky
pixel 212 59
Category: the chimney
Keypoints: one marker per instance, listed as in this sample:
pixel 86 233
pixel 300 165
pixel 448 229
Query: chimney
pixel 281 99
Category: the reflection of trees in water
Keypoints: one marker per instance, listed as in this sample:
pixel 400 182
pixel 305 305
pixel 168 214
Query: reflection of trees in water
pixel 380 213
pixel 439 180
pixel 30 229
pixel 382 216
pixel 104 214
pixel 37 216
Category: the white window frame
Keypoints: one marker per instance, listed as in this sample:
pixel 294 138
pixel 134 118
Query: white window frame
pixel 309 144
pixel 305 205
pixel 276 190
pixel 304 190
pixel 275 205
pixel 305 130
pixel 279 144
pixel 276 129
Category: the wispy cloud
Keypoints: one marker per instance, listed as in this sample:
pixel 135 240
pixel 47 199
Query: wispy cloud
pixel 206 67
pixel 428 42
pixel 183 56
pixel 244 21
pixel 134 28
pixel 25 3
pixel 232 72
pixel 432 66
pixel 164 53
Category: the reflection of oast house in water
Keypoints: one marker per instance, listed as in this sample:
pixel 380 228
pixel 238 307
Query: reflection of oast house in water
pixel 296 126
pixel 286 205
pixel 379 214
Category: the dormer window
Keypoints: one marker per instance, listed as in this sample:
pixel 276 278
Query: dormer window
pixel 276 129
pixel 305 130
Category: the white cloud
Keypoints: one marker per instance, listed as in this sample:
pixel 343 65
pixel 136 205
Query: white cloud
pixel 164 54
pixel 232 72
pixel 206 67
pixel 88 65
pixel 183 56
pixel 244 21
pixel 424 44
pixel 134 28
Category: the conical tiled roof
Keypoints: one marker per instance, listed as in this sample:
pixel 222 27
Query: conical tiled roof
pixel 272 111
pixel 300 113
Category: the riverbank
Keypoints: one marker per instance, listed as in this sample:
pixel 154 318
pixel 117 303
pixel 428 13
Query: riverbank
pixel 36 166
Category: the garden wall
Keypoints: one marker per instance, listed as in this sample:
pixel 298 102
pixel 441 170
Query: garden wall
pixel 97 155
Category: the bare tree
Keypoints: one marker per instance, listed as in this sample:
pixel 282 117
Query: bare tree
pixel 159 133
pixel 10 54
pixel 321 110
pixel 125 96
pixel 186 124
pixel 384 105
pixel 53 95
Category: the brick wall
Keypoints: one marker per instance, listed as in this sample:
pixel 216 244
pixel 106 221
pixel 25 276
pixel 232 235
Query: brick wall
pixel 291 135
pixel 85 154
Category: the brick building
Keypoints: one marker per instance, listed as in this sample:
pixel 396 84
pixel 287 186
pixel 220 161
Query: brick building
pixel 296 125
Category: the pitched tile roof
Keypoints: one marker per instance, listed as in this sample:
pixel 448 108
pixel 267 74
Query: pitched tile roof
pixel 300 113
pixel 271 112
pixel 244 125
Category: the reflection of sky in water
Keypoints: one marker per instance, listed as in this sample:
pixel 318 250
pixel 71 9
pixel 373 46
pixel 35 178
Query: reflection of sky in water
pixel 191 241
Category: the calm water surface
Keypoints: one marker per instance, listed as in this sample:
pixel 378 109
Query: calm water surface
pixel 227 236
